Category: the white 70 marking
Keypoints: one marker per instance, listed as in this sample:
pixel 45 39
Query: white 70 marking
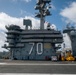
pixel 38 46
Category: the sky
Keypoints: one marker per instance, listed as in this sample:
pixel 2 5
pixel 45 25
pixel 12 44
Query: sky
pixel 14 11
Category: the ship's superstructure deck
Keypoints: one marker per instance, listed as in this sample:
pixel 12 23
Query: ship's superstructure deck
pixel 32 44
pixel 29 44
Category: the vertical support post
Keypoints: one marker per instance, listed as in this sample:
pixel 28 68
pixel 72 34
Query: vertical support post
pixel 26 27
pixel 11 54
pixel 42 23
pixel 42 20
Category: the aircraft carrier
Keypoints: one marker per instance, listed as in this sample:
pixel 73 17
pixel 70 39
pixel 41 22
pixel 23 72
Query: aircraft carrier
pixel 71 32
pixel 34 44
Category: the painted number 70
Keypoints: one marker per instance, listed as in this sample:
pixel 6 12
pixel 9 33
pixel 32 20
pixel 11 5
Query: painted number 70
pixel 39 48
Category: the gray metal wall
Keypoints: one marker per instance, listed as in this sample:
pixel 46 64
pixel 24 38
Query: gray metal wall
pixel 40 51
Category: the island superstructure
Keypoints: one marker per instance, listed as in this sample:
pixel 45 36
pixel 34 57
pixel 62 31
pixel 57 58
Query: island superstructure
pixel 34 44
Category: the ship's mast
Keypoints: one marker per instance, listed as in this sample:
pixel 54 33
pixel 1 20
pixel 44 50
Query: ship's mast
pixel 43 7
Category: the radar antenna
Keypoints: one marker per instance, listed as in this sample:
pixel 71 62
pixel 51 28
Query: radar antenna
pixel 43 6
